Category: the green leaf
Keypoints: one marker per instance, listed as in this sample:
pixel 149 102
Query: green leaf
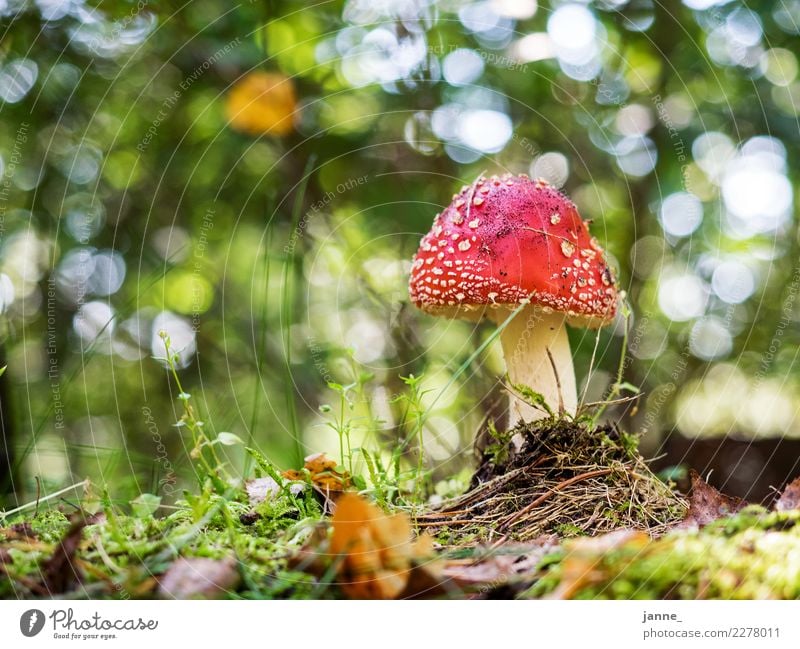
pixel 536 399
pixel 411 380
pixel 374 476
pixel 145 505
pixel 229 439
pixel 266 466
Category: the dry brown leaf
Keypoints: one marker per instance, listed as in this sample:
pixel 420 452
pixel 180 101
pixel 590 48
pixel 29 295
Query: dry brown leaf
pixel 260 489
pixel 199 577
pixel 59 572
pixel 496 569
pixel 19 531
pixel 707 504
pixel 376 550
pixel 790 498
pixel 580 567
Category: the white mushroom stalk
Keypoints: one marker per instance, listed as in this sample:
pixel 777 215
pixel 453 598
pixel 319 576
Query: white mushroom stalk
pixel 538 357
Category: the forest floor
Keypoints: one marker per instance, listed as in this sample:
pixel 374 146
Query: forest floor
pixel 574 513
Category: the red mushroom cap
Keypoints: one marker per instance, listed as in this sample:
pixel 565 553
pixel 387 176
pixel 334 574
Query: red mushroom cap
pixel 506 240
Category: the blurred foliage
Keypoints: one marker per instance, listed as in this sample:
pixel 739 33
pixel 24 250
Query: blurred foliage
pixel 254 179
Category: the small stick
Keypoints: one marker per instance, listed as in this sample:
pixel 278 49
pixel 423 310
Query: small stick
pixel 462 521
pixel 443 514
pixel 38 495
pixel 591 369
pixel 611 402
pixel 566 483
pixel 561 408
pixel 29 583
pixel 5 514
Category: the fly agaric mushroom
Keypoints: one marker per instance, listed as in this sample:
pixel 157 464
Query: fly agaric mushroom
pixel 511 241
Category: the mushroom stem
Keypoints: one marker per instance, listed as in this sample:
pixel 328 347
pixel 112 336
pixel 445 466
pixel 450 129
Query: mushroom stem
pixel 526 341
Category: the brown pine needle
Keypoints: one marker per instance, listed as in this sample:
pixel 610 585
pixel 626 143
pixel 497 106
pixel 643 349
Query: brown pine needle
pixel 566 483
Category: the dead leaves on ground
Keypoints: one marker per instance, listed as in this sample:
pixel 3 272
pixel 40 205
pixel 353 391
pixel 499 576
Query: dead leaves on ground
pixel 19 532
pixel 507 565
pixel 581 565
pixel 790 498
pixel 60 572
pixel 261 489
pixel 707 504
pixel 199 577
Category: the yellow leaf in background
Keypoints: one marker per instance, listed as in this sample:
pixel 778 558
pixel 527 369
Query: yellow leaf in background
pixel 262 103
pixel 376 550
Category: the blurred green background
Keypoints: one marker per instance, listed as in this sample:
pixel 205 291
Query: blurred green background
pixel 254 178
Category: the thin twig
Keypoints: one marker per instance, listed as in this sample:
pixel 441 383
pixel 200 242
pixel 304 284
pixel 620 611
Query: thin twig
pixel 566 483
pixel 27 582
pixel 463 521
pixel 591 369
pixel 6 514
pixel 38 495
pixel 611 402
pixel 561 409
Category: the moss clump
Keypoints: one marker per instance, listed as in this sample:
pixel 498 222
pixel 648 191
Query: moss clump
pixel 119 555
pixel 568 478
pixel 754 554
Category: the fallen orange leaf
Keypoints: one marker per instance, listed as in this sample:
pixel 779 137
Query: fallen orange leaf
pixel 582 564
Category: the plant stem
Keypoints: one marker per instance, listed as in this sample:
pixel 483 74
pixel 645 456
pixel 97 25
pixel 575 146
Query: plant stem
pixel 194 424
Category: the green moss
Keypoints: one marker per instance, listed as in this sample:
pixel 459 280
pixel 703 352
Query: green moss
pixel 753 554
pixel 48 525
pixel 567 530
pixel 120 553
